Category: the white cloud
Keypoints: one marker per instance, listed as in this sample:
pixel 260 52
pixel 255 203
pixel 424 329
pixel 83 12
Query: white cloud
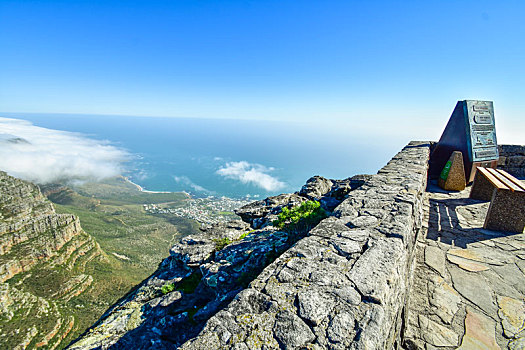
pixel 249 173
pixel 184 180
pixel 44 155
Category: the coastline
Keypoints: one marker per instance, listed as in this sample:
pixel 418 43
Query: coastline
pixel 141 189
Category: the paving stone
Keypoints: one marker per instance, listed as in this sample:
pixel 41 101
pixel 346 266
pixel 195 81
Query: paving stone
pixel 444 299
pixel 436 334
pixel 487 255
pixel 521 265
pixel 517 344
pixel 516 244
pixel 505 246
pixel 465 253
pixel 512 314
pixel 473 287
pixel 479 332
pixel 499 285
pixel 435 258
pixel 467 264
pixel 512 276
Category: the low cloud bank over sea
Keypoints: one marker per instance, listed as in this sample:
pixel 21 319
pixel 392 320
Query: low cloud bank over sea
pixel 44 155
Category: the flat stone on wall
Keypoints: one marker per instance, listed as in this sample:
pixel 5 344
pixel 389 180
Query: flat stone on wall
pixel 345 285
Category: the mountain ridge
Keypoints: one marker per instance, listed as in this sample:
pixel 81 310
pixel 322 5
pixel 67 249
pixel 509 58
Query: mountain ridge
pixel 37 247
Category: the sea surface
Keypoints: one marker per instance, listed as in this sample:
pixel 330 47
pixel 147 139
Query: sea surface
pixel 258 158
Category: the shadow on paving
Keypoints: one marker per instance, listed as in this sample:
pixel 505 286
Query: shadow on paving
pixel 445 226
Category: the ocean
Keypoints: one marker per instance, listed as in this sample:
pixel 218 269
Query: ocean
pixel 227 157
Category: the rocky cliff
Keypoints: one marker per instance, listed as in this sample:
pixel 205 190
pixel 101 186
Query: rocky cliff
pixel 335 284
pixel 43 257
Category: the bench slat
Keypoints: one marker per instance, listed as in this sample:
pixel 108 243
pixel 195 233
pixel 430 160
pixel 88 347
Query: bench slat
pixel 511 178
pixel 504 180
pixel 497 183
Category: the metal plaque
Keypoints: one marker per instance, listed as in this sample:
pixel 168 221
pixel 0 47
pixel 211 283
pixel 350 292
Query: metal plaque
pixel 470 130
pixel 483 145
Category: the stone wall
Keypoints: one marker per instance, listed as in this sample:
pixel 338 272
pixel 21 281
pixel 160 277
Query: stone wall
pixel 512 159
pixel 343 286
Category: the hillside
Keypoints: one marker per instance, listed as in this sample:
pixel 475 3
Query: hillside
pixel 46 260
pixel 56 276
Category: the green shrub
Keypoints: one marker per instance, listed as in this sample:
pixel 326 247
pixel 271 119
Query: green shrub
pixel 246 277
pixel 220 243
pixel 168 287
pixel 243 236
pixel 190 283
pixel 303 217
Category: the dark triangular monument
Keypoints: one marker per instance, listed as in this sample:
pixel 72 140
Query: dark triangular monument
pixel 470 130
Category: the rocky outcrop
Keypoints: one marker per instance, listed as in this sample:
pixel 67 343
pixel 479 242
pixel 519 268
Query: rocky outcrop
pixel 342 284
pixel 328 192
pixel 512 159
pixel 202 275
pixel 346 284
pixel 42 259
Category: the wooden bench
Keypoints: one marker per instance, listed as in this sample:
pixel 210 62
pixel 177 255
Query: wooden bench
pixel 507 199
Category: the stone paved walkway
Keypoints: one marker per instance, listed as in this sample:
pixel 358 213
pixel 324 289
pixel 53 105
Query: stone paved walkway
pixel 469 283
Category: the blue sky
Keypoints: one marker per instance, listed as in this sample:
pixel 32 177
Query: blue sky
pixel 373 66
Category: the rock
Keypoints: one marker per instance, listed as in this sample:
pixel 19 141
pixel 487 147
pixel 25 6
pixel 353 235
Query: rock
pixel 316 187
pixel 346 247
pixel 381 255
pixel 349 295
pixel 314 306
pixel 512 314
pixel 291 331
pixel 329 203
pixel 479 332
pixel 193 250
pixel 341 328
pixel 435 258
pixel 257 213
pixel 171 298
pixel 483 254
pixel 363 221
pixel 257 209
pixel 436 334
pixel 341 188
